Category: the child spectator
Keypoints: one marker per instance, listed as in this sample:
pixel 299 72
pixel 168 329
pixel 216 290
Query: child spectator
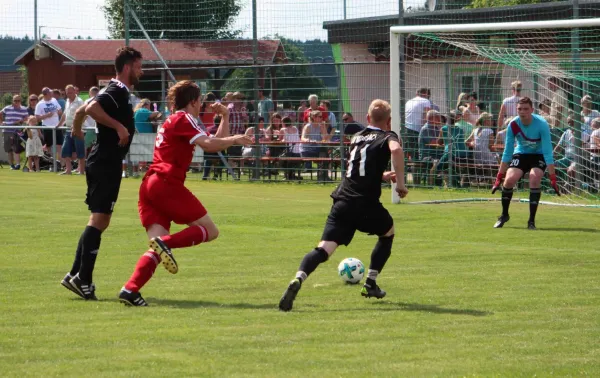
pixel 33 149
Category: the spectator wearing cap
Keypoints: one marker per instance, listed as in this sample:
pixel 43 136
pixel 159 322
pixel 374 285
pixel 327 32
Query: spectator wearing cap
pixel 72 146
pixel 13 115
pixel 265 105
pixel 48 111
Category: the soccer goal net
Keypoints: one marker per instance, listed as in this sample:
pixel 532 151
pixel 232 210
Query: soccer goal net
pixel 473 76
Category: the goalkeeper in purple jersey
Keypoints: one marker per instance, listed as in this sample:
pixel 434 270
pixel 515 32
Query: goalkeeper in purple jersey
pixel 533 153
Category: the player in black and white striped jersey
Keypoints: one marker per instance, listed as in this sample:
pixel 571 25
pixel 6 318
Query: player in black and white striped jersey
pixel 356 204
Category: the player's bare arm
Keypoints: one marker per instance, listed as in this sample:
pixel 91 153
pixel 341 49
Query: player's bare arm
pixel 218 144
pixel 77 131
pixel 220 109
pixel 397 154
pixel 94 110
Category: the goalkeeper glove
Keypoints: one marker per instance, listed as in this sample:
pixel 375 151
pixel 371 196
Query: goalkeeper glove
pixel 553 183
pixel 499 179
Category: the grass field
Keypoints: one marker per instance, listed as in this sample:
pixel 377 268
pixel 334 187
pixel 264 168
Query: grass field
pixel 463 299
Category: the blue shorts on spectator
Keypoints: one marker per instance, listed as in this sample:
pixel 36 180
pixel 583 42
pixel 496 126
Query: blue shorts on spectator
pixel 73 145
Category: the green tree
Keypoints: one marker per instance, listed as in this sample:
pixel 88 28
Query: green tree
pixel 164 19
pixel 294 80
pixel 503 3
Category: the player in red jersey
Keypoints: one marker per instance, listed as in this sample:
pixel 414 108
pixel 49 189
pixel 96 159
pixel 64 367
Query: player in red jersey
pixel 164 198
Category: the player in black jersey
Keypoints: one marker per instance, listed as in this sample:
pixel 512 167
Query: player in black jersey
pixel 356 203
pixel 115 127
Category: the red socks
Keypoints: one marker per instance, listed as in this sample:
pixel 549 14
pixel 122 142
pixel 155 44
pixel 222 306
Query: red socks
pixel 186 238
pixel 144 269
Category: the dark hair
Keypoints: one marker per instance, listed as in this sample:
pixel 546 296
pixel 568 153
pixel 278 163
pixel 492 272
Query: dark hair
pixel 286 120
pixel 56 91
pixel 209 97
pixel 525 100
pixel 182 93
pixel 452 117
pixel 473 95
pixel 349 114
pixel 422 91
pixel 264 91
pixel 327 103
pixel 126 55
pixel 261 119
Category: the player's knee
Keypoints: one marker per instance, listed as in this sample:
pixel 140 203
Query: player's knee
pixel 99 221
pixel 213 233
pixel 386 240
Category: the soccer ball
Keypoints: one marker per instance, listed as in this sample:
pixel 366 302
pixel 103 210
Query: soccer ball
pixel 351 270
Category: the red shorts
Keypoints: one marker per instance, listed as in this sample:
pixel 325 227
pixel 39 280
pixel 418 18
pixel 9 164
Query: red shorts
pixel 163 200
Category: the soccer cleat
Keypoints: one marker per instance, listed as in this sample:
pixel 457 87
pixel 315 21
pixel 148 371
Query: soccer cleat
pixel 287 301
pixel 531 225
pixel 66 282
pixel 165 254
pixel 368 292
pixel 86 290
pixel 132 299
pixel 501 220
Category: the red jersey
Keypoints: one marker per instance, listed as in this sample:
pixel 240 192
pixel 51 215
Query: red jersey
pixel 324 113
pixel 174 146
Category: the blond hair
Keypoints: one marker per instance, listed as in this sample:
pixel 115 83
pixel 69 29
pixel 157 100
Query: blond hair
pixel 461 99
pixel 482 118
pixel 144 101
pixel 379 111
pixel 516 84
pixel 70 86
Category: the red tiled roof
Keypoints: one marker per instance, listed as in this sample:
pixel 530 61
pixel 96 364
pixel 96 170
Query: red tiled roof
pixel 174 52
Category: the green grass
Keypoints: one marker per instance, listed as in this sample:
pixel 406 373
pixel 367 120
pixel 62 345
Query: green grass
pixel 463 299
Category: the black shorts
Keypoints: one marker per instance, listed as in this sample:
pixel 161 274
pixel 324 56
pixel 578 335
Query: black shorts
pixel 346 217
pixel 525 162
pixel 103 184
pixel 48 138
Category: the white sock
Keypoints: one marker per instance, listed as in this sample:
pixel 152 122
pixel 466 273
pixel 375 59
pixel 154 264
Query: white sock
pixel 301 276
pixel 372 274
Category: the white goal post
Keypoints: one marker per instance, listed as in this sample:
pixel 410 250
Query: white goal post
pixel 397 34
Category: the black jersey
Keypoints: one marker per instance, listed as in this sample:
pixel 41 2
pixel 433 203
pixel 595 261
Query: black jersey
pixel 115 101
pixel 369 158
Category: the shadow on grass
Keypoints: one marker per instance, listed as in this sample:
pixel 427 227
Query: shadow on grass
pixel 575 229
pixel 557 229
pixel 207 304
pixel 401 306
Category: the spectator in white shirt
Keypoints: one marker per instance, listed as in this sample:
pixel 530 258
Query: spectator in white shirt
pixel 415 112
pixel 509 104
pixel 48 111
pixel 72 145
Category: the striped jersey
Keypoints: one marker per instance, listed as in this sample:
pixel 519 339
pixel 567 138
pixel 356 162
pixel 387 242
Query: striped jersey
pixel 14 116
pixel 174 146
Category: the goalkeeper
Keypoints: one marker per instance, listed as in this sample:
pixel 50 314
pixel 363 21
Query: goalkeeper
pixel 532 154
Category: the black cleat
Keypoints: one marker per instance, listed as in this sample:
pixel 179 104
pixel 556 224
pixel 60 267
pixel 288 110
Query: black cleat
pixel 132 298
pixel 501 220
pixel 531 225
pixel 287 301
pixel 368 292
pixel 66 282
pixel 86 290
pixel 165 254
